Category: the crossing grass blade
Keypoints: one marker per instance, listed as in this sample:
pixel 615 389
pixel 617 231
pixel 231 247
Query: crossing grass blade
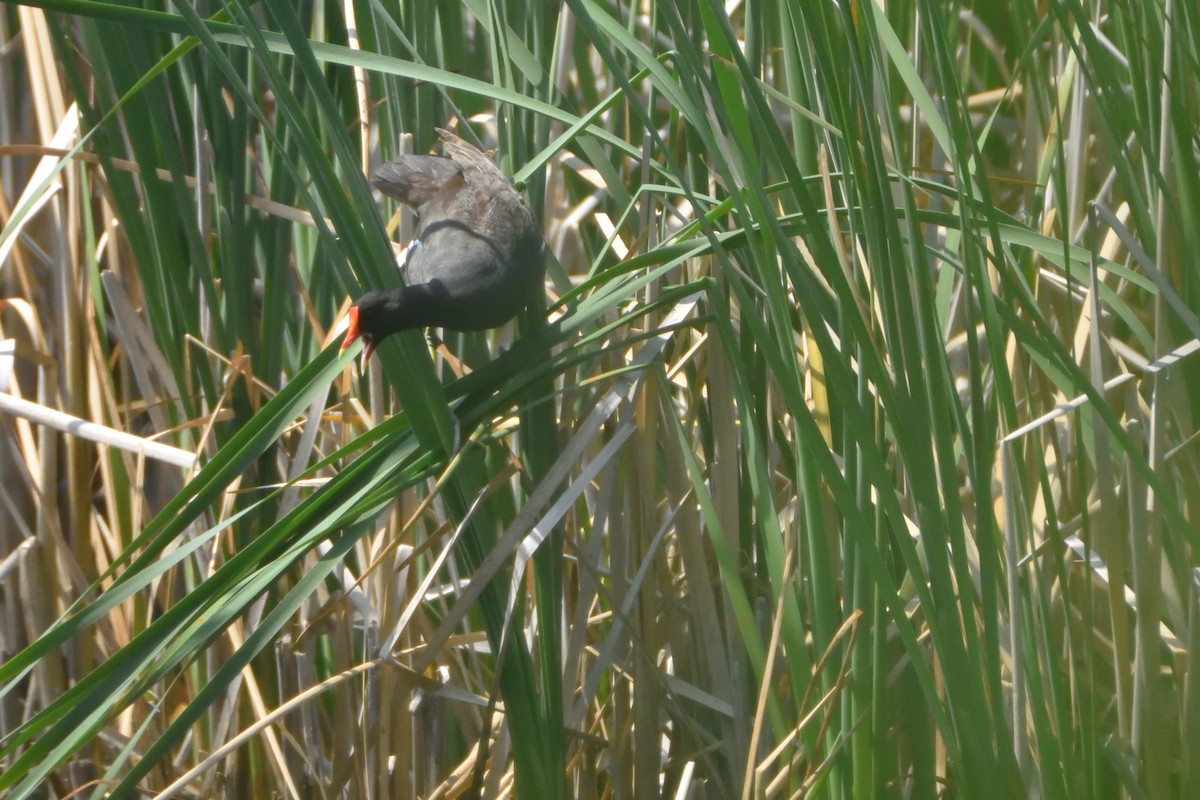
pixel 851 454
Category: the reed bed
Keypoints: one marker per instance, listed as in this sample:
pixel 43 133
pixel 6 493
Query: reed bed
pixel 853 453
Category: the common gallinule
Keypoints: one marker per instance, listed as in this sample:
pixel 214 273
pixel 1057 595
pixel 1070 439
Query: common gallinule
pixel 476 259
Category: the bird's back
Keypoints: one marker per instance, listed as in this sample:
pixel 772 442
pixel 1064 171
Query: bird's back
pixel 476 243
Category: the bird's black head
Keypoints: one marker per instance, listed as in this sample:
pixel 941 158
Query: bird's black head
pixel 367 322
pixel 381 313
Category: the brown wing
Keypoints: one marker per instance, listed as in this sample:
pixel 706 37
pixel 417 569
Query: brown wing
pixel 415 180
pixel 471 160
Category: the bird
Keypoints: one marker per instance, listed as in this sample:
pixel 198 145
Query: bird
pixel 477 257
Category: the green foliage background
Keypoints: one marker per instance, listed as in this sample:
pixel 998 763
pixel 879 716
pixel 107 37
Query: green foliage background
pixel 853 455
